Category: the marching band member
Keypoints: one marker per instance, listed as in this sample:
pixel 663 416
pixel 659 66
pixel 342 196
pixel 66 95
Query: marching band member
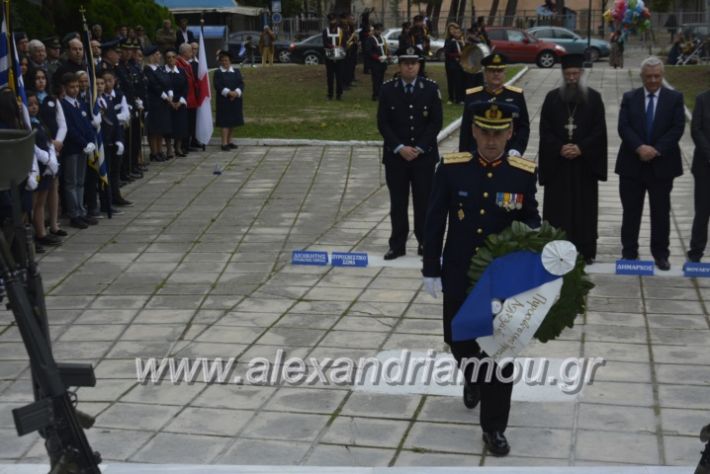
pixel 377 53
pixel 333 41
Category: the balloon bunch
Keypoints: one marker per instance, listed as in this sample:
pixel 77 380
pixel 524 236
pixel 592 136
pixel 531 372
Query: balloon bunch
pixel 628 16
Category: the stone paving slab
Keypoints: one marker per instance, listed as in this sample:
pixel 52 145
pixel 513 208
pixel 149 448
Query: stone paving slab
pixel 200 268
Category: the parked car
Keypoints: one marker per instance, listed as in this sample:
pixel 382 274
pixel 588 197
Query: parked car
pixel 521 47
pixel 235 41
pixel 571 41
pixel 436 45
pixel 308 51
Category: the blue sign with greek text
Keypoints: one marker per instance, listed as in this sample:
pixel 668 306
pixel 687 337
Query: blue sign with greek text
pixel 635 267
pixel 347 259
pixel 693 269
pixel 309 257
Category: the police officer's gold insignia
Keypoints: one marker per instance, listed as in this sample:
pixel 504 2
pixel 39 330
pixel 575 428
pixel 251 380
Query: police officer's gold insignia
pixel 461 214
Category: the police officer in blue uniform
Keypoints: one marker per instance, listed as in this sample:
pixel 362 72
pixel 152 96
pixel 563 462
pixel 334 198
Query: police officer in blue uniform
pixel 478 194
pixel 409 117
pixel 495 91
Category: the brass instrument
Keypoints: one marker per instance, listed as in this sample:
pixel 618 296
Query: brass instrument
pixel 472 55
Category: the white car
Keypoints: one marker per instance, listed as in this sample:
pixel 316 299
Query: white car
pixel 436 45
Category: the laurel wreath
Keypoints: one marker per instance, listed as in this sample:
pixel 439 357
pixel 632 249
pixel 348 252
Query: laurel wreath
pixel 575 284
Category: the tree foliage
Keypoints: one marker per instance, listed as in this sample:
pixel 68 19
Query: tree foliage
pixel 58 17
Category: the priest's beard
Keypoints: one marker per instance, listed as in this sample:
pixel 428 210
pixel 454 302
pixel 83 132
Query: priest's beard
pixel 574 92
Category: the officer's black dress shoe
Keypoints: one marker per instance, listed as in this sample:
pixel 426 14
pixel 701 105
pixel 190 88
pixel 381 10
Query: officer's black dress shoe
pixel 232 146
pixel 496 443
pixel 225 148
pixel 663 264
pixel 391 254
pixel 471 395
pixel 693 258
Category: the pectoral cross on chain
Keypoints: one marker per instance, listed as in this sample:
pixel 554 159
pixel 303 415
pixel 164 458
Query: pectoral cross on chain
pixel 570 127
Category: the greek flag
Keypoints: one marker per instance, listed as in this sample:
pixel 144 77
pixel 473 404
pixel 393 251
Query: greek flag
pixel 97 162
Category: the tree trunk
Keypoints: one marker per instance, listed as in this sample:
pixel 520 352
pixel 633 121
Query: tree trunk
pixel 510 10
pixel 493 13
pixel 453 15
pixel 434 15
pixel 560 20
pixel 461 15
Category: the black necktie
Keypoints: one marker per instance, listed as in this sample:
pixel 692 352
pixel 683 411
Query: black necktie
pixel 410 88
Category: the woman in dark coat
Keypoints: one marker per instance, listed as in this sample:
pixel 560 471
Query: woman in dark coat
pixel 178 104
pixel 229 87
pixel 158 123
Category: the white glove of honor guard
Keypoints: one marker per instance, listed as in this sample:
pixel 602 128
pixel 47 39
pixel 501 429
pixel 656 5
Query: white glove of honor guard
pixel 432 285
pixel 90 148
pixel 119 148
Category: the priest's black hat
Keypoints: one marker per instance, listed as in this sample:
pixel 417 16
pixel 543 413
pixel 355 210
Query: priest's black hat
pixel 572 60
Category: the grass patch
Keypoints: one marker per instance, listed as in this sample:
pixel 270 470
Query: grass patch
pixel 690 80
pixel 290 102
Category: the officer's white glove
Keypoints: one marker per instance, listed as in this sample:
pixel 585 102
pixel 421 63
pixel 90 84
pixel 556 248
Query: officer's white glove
pixel 432 285
pixel 96 121
pixel 512 152
pixel 119 148
pixel 102 103
pixel 53 164
pixel 383 59
pixel 90 148
pixel 139 104
pixel 41 155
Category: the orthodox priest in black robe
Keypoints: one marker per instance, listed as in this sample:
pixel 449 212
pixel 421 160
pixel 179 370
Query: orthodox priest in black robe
pixel 573 157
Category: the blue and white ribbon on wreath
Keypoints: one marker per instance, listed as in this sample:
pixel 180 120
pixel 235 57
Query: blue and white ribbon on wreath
pixel 519 289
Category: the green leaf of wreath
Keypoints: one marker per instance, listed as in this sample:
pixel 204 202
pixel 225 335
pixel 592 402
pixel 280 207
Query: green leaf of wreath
pixel 575 284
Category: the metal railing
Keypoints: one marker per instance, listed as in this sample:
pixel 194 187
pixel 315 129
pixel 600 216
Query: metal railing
pixel 295 28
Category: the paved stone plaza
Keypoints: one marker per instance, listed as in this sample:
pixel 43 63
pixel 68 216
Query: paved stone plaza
pixel 200 267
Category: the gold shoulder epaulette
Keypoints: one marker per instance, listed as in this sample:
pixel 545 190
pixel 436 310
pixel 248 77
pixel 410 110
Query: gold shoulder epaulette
pixel 473 90
pixel 522 163
pixel 514 89
pixel 460 157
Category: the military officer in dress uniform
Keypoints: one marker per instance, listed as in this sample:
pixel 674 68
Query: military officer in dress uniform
pixel 131 82
pixel 495 91
pixel 478 194
pixel 110 56
pixel 409 117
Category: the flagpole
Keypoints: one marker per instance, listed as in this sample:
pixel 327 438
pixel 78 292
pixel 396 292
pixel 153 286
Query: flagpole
pixel 11 73
pixel 99 157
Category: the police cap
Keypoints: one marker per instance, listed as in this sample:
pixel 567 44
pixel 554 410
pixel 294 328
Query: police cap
pixel 408 53
pixel 494 61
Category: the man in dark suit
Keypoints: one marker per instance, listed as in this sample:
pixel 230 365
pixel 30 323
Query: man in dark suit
pixel 183 35
pixel 651 123
pixel 409 117
pixel 700 130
